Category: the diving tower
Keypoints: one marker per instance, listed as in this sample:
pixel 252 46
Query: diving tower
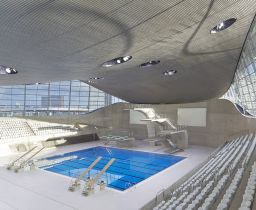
pixel 168 135
pixel 152 116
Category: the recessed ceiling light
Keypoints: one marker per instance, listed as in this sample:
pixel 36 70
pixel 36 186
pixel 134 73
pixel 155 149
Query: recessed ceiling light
pixel 93 79
pixel 150 63
pixel 96 78
pixel 223 25
pixel 107 65
pixel 126 58
pixel 116 61
pixel 37 83
pixel 7 70
pixel 170 72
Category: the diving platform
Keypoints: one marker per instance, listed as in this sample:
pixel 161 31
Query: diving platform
pixel 89 186
pixel 75 184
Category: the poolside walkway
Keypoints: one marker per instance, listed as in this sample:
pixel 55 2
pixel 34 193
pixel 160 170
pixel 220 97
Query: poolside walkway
pixel 40 190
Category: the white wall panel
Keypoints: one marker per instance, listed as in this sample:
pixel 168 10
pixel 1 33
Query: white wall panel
pixel 192 116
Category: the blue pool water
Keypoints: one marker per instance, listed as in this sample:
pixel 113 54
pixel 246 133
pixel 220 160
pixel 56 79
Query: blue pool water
pixel 129 168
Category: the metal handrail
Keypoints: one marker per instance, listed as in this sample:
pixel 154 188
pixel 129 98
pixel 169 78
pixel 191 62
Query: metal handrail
pixel 162 191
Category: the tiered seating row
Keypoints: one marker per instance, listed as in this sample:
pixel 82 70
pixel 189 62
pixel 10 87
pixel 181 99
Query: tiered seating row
pixel 203 189
pixel 12 129
pixel 230 192
pixel 208 202
pixel 109 139
pixel 249 190
pixel 45 128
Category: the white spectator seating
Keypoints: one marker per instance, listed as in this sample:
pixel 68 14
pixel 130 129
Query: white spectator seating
pixel 250 191
pixel 45 128
pixel 15 129
pixel 118 140
pixel 222 173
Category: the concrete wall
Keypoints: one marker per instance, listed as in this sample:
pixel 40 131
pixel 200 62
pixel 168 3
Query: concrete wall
pixel 223 120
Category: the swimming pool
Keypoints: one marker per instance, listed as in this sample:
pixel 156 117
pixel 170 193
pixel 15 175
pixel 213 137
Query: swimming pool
pixel 129 168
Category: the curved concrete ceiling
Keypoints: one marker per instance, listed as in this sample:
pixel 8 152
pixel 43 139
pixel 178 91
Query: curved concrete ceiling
pixel 54 40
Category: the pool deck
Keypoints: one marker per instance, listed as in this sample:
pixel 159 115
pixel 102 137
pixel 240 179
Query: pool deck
pixel 40 189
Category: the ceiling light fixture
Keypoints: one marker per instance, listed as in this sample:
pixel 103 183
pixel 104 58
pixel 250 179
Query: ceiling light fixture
pixel 7 70
pixel 96 78
pixel 126 58
pixel 170 72
pixel 93 79
pixel 37 83
pixel 150 63
pixel 223 25
pixel 116 61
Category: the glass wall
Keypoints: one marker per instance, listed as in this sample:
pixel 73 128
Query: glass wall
pixel 243 89
pixel 56 98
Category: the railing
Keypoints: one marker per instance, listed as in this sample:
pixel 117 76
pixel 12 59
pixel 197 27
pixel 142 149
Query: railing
pixel 237 134
pixel 29 127
pixel 161 192
pixel 20 158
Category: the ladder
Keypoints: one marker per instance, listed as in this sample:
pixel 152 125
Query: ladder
pixel 74 185
pixel 89 186
pixel 174 147
pixel 27 161
pixel 9 167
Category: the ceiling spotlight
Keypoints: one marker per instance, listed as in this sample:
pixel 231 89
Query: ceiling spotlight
pixel 93 79
pixel 150 63
pixel 7 70
pixel 170 72
pixel 126 58
pixel 220 26
pixel 96 78
pixel 223 25
pixel 107 65
pixel 37 83
pixel 116 61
